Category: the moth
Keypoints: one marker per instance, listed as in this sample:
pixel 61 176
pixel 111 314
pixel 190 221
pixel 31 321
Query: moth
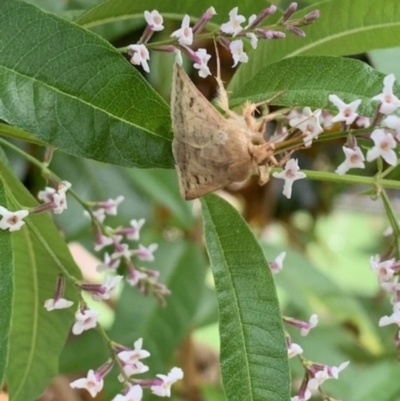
pixel 210 150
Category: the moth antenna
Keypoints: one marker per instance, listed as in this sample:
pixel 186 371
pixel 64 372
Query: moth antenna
pixel 222 96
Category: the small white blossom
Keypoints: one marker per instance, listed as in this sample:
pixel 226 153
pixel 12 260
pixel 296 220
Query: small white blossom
pixel 134 393
pixel 202 66
pixel 61 303
pixel 146 253
pixel 133 369
pixel 109 263
pixel 363 122
pixel 309 124
pixel 354 159
pixel 294 350
pixel 110 206
pixel 59 202
pixel 277 264
pixel 164 389
pixel 384 270
pixel 109 285
pixel 233 26
pixel 13 221
pixel 133 232
pixel 92 383
pixel 140 55
pixel 384 144
pixel 132 356
pixel 185 33
pixel 393 122
pixel 347 112
pixel 252 18
pixel 394 318
pixel 154 20
pixel 253 39
pixel 102 241
pixel 122 251
pixel 238 54
pixel 389 102
pixel 311 324
pixel 85 320
pixel 290 174
pixel 134 276
pixel 47 194
pixel 99 214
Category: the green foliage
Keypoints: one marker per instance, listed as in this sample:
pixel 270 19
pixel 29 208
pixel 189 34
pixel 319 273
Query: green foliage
pixel 253 348
pixel 32 257
pixel 344 28
pixel 62 84
pixel 74 91
pixel 349 79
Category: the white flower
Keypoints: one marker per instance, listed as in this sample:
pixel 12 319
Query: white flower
pixel 290 174
pixel 394 318
pixel 164 389
pixel 253 39
pixel 110 205
pixel 311 324
pixel 47 194
pixel 202 66
pixel 122 250
pixel 109 285
pixel 252 18
pixel 99 214
pixel 12 221
pixel 133 369
pixel 233 26
pixel 133 356
pixel 154 20
pixel 185 33
pixel 294 350
pixel 133 232
pixel 354 159
pixel 384 270
pixel 393 122
pixel 389 102
pixel 85 320
pixel 140 55
pixel 384 144
pixel 102 241
pixel 92 383
pixel 277 264
pixel 134 276
pixel 309 124
pixel 238 54
pixel 146 254
pixel 347 112
pixel 59 202
pixel 134 393
pixel 61 303
pixel 109 263
pixel 318 379
pixel 363 122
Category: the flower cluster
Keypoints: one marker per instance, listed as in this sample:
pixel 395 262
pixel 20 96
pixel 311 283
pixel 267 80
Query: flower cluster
pixel 387 273
pixel 183 37
pixel 129 361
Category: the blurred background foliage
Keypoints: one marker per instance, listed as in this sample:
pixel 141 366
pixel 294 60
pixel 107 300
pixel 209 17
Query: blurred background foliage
pixel 328 230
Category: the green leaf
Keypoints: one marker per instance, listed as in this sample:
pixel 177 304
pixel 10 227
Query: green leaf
pixel 121 10
pixel 345 27
pixel 6 289
pixel 37 336
pixel 253 350
pixel 73 90
pixel 162 186
pixel 182 268
pixel 315 79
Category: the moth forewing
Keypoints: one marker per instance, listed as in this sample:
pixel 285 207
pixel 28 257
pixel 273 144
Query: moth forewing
pixel 210 151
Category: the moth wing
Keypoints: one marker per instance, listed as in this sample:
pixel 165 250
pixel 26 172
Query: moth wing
pixel 201 134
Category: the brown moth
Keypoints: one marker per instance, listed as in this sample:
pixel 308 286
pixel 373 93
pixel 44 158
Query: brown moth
pixel 212 151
